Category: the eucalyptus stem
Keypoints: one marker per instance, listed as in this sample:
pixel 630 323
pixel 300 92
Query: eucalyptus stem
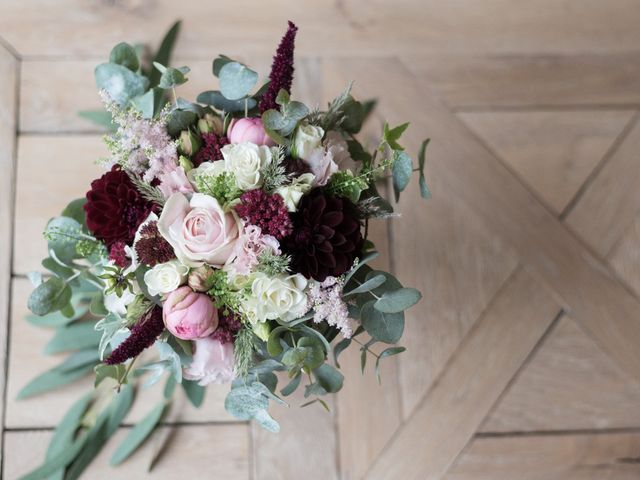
pixel 365 347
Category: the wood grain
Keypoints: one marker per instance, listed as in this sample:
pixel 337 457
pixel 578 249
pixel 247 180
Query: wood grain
pixel 611 202
pixel 8 100
pixel 565 457
pixel 581 281
pixel 570 384
pixel 625 257
pixel 574 144
pixel 439 428
pixel 221 450
pixel 532 81
pixel 342 28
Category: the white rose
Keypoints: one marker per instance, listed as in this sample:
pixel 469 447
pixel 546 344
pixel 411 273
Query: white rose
pixel 293 192
pixel 165 277
pixel 245 161
pixel 276 297
pixel 205 168
pixel 308 138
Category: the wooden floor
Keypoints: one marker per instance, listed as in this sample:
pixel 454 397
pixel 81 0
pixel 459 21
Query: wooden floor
pixel 523 360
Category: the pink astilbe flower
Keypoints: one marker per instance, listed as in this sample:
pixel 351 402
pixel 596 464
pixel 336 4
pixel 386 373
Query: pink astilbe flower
pixel 250 246
pixel 281 74
pixel 266 211
pixel 143 334
pixel 326 300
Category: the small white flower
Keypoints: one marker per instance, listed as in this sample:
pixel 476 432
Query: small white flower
pixel 308 138
pixel 292 193
pixel 282 297
pixel 246 161
pixel 116 304
pixel 165 277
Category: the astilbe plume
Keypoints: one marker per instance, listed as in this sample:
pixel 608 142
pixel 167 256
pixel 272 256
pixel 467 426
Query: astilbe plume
pixel 151 247
pixel 143 334
pixel 210 149
pixel 266 211
pixel 281 74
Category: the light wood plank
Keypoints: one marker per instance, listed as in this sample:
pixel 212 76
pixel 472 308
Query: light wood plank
pixel 211 451
pixel 52 171
pixel 566 457
pixel 570 384
pixel 440 427
pixel 625 256
pixel 531 81
pixel 26 361
pixel 554 152
pixel 581 281
pixel 610 204
pixel 8 99
pixel 343 28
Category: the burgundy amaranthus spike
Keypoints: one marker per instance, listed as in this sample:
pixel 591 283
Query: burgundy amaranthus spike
pixel 143 334
pixel 281 74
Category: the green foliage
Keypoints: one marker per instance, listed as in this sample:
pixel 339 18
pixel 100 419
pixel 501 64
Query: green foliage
pixel 222 187
pixel 244 347
pixel 52 295
pixel 163 55
pixel 392 135
pixel 281 124
pixel 171 77
pixel 344 183
pixel 272 264
pixel 424 189
pixel 386 353
pixel 236 80
pixel 307 355
pixel 116 372
pixel 220 102
pixel 120 83
pixel 220 62
pixel 150 103
pixel 397 300
pixel 402 170
pixel 109 326
pixel 125 55
pixel 274 173
pixel 139 433
pixel 195 393
pixel 247 402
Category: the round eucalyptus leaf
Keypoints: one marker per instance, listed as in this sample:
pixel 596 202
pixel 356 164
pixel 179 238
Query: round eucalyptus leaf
pixel 218 101
pixel 120 83
pixel 236 80
pixel 125 55
pixel 383 327
pixel 398 300
pixel 52 295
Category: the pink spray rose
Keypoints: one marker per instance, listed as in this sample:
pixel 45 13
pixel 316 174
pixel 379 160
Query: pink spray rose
pixel 250 130
pixel 250 246
pixel 175 181
pixel 212 362
pixel 189 315
pixel 199 230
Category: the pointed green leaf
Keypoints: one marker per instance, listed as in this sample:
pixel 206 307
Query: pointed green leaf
pixel 339 348
pixel 195 393
pixel 77 336
pixel 138 434
pixel 392 135
pixel 401 170
pixel 163 56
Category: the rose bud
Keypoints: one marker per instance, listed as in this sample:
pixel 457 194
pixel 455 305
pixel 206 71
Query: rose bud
pixel 200 278
pixel 242 130
pixel 189 143
pixel 210 124
pixel 185 163
pixel 189 315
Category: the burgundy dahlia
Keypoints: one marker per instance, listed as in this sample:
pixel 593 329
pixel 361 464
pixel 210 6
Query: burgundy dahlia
pixel 295 166
pixel 228 326
pixel 210 149
pixel 143 334
pixel 151 247
pixel 266 211
pixel 326 236
pixel 281 74
pixel 115 208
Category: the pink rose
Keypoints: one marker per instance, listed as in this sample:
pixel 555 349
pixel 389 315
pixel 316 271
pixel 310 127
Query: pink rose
pixel 250 130
pixel 212 362
pixel 175 181
pixel 199 230
pixel 326 160
pixel 189 315
pixel 249 247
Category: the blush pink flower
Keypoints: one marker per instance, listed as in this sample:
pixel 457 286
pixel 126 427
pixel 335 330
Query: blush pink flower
pixel 199 230
pixel 213 362
pixel 250 246
pixel 189 315
pixel 175 181
pixel 250 130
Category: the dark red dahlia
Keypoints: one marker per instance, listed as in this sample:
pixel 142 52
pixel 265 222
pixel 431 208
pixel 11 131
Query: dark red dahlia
pixel 326 236
pixel 151 247
pixel 228 326
pixel 143 334
pixel 281 74
pixel 118 255
pixel 210 149
pixel 295 166
pixel 115 208
pixel 266 211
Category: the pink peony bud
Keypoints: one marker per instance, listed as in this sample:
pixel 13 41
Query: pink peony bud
pixel 189 315
pixel 251 130
pixel 212 362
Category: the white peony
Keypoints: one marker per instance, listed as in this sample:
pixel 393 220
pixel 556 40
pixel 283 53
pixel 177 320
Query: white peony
pixel 165 277
pixel 308 138
pixel 292 193
pixel 276 297
pixel 246 161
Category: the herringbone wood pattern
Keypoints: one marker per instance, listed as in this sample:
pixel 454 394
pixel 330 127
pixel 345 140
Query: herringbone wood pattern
pixel 523 359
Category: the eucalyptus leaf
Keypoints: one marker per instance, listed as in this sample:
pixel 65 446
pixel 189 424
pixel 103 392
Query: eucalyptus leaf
pixel 401 170
pixel 236 80
pixel 398 300
pixel 53 379
pixel 35 278
pixel 150 103
pixel 329 378
pixel 77 336
pixel 195 393
pixel 368 257
pixel 424 189
pixel 163 56
pixel 292 386
pixel 120 83
pixel 266 421
pixel 173 77
pixel 120 406
pixel 220 62
pixel 370 284
pixel 125 55
pixel 138 434
pixel 384 327
pixel 116 372
pixel 339 348
pixel 49 296
pixel 180 120
pixel 218 101
pixel 63 234
pixel 99 117
pixel 75 210
pixel 386 353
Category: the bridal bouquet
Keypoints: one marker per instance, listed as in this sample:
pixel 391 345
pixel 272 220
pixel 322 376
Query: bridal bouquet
pixel 225 242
